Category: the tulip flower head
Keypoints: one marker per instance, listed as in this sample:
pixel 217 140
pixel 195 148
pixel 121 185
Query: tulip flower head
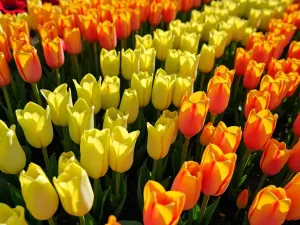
pixel 107 35
pixel 48 30
pixel 64 22
pixel 210 22
pixel 183 86
pixel 172 61
pixel 112 220
pixel 188 64
pixel 293 161
pixel 142 83
pixel 16 42
pixel 242 199
pixel 53 52
pixel 177 28
pixel 292 193
pixel 19 27
pixel 130 62
pixel 143 42
pixel 135 21
pixel 174 117
pixel 12 216
pixel 207 134
pixel 219 40
pixel 4 72
pixel 253 74
pixel 110 92
pixel 123 24
pixel 72 41
pixel 162 42
pixel 130 104
pixel 170 11
pixel 156 13
pixel 88 27
pixel 206 58
pixel 241 61
pixel 110 62
pixel 147 60
pixel 225 73
pixel 257 100
pixel 65 159
pixel 189 42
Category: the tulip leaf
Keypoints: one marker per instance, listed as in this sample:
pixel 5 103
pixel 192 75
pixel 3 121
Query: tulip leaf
pixel 142 180
pixel 89 220
pixel 196 212
pixel 102 198
pixel 245 221
pixel 242 180
pixel 16 196
pixel 118 210
pixel 209 211
pixel 4 190
pixel 52 166
pixel 127 222
pixel 5 110
pixel 164 166
pixel 108 181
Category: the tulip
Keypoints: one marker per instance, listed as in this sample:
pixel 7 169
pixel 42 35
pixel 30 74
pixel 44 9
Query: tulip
pixel 142 83
pixel 39 195
pixel 189 182
pixel 18 27
pixel 130 105
pixel 147 61
pixel 274 157
pixel 5 21
pixel 294 83
pixel 160 137
pixel 228 28
pixel 145 11
pixel 155 204
pixel 162 89
pixel 121 150
pixel 64 22
pixel 130 62
pixel 135 22
pixel 197 16
pixel 192 113
pixel 193 27
pixel 210 23
pixel 110 62
pixel 248 32
pixel 183 86
pixel 188 64
pixel 266 16
pixel 241 61
pixel 275 66
pixel 294 50
pixel 105 12
pixel 12 216
pixel 172 61
pixel 174 117
pixel 58 101
pixel 293 161
pixel 107 35
pixel 162 42
pixel 36 124
pixel 114 117
pixel 259 129
pixel 219 165
pixel 255 37
pixel 280 40
pixel 262 51
pixel 292 193
pixel 207 134
pixel 270 205
pixel 189 42
pixel 225 73
pixel 53 52
pixel 255 17
pixel 72 41
pixel 143 42
pixel 238 29
pixel 4 47
pixel 156 12
pixel 16 42
pixel 219 40
pixel 13 158
pixel 48 30
pixel 242 199
pixel 112 220
pixel 169 12
pixel 110 92
pixel 258 100
pixel 4 72
pixel 253 74
pixel 206 58
pixel 80 118
pixel 94 150
pixel 122 21
pixel 65 159
pixel 69 186
pixel 89 89
pixel 88 27
pixel 296 126
pixel 177 28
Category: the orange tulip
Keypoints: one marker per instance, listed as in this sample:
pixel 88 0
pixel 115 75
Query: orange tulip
pixel 53 52
pixel 170 11
pixel 275 66
pixel 274 157
pixel 288 30
pixel 259 129
pixel 242 199
pixel 292 7
pixel 280 39
pixel 241 61
pixel 112 220
pixel 292 192
pixel 218 165
pixel 48 30
pixel 286 83
pixel 258 36
pixel 72 41
pixel 296 126
pixel 225 73
pixel 186 5
pixel 197 3
pixel 257 100
pixel 105 12
pixel 65 22
pixel 5 21
pixel 294 83
pixel 189 182
pixel 294 159
pixel 88 27
pixel 135 21
pixel 192 113
pixel 145 10
pixel 294 50
pixel 227 138
pixel 76 10
pixel 156 11
pixel 270 206
pixel 4 47
pixel 160 206
pixel 19 27
pixel 122 21
pixel 291 65
pixel 253 74
pixel 218 91
pixel 95 3
pixel 107 35
pixel 28 64
pixel 17 42
pixel 4 72
pixel 263 51
pixel 207 134
pixel 45 13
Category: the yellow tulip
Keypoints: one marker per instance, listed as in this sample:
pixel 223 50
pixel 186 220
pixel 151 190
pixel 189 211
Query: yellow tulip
pixel 81 118
pixel 228 28
pixel 110 62
pixel 12 216
pixel 65 159
pixel 183 86
pixel 114 117
pixel 142 83
pixel 267 15
pixel 254 17
pixel 239 27
pixel 173 116
pixel 74 190
pixel 172 61
pixel 121 150
pixel 194 27
pixel 206 58
pixel 219 40
pixel 198 16
pixel 242 6
pixel 160 137
pixel 36 124
pixel 130 62
pixel 39 195
pixel 210 22
pixel 94 147
pixel 130 104
pixel 177 28
pixel 147 60
pixel 162 89
pixel 190 42
pixel 162 42
pixel 188 64
pixel 143 42
pixel 12 156
pixel 58 101
pixel 110 92
pixel 223 14
pixel 248 32
pixel 89 90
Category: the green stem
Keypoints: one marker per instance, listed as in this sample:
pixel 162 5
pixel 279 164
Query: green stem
pixel 75 63
pixel 261 183
pixel 201 82
pixel 96 192
pixel 96 59
pixel 236 215
pixel 237 86
pixel 162 64
pixel 287 178
pixel 51 221
pixel 36 94
pixel 117 187
pixel 190 216
pixel 124 44
pixel 82 220
pixel 154 169
pixel 199 153
pixel 46 159
pixel 212 118
pixel 57 77
pixel 243 164
pixel 184 16
pixel 184 150
pixel 203 208
pixel 158 114
pixel 9 107
pixel 66 139
pixel 13 85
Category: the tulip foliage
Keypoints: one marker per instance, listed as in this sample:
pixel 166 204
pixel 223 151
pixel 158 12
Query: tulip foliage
pixel 160 112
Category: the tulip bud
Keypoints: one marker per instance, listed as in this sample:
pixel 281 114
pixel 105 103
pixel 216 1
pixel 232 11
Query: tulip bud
pixel 162 89
pixel 110 92
pixel 142 83
pixel 4 47
pixel 155 206
pixel 143 42
pixel 5 21
pixel 121 150
pixel 18 27
pixel 219 40
pixel 183 86
pixel 215 163
pixel 190 42
pixel 4 72
pixel 80 118
pixel 241 61
pixel 293 161
pixel 177 28
pixel 253 74
pixel 188 64
pixel 174 117
pixel 258 100
pixel 12 216
pixel 53 52
pixel 130 104
pixel 172 61
pixel 207 134
pixel 189 182
pixel 156 12
pixel 94 147
pixel 130 62
pixel 169 12
pixel 112 220
pixel 270 205
pixel 210 22
pixel 72 40
pixel 242 199
pixel 254 18
pixel 65 159
pixel 89 90
pixel 107 35
pixel 192 113
pixel 206 58
pixel 122 21
pixel 296 126
pixel 197 16
pixel 39 195
pixel 147 60
pixel 110 62
pixel 259 129
pixel 162 42
pixel 292 193
pixel 73 199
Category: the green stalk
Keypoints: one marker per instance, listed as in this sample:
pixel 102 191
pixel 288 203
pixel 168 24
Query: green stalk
pixel 154 169
pixel 203 208
pixel 243 164
pixel 124 44
pixel 236 215
pixel 96 191
pixel 75 63
pixel 237 86
pixel 13 85
pixel 96 58
pixel 36 94
pixel 261 183
pixel 57 77
pixel 212 118
pixel 287 178
pixel 117 187
pixel 202 81
pixel 184 150
pixel 11 114
pixel 66 139
pixel 51 221
pixel 82 220
pixel 46 158
pixel 190 217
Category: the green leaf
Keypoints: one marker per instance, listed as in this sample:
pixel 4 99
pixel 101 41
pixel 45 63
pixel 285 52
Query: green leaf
pixel 89 220
pixel 209 211
pixel 127 222
pixel 117 212
pixel 196 212
pixel 108 181
pixel 242 180
pixel 4 190
pixel 166 182
pixel 16 195
pixel 53 167
pixel 142 180
pixel 245 221
pixel 103 197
